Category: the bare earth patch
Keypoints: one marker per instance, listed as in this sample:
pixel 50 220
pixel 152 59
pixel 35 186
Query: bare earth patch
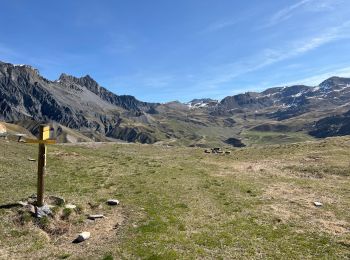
pixel 291 203
pixel 103 232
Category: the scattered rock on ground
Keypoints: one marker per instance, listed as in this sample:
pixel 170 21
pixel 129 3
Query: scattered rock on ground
pixel 96 216
pixel 318 204
pixel 70 206
pixel 31 160
pixel 82 237
pixel 113 202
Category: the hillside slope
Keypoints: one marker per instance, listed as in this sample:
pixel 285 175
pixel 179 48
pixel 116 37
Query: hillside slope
pixel 180 203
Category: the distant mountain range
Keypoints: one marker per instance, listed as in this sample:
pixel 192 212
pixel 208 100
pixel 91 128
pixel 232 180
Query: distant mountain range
pixel 82 110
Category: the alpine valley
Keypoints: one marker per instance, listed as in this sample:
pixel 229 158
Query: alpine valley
pixel 83 111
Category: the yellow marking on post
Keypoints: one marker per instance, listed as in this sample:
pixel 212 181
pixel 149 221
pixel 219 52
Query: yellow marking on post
pixel 35 141
pixel 46 133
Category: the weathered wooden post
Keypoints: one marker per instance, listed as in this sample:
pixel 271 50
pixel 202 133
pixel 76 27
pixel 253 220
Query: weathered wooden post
pixel 41 166
pixel 44 138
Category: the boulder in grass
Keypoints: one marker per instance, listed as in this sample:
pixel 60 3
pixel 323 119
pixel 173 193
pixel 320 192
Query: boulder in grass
pixel 82 237
pixel 113 202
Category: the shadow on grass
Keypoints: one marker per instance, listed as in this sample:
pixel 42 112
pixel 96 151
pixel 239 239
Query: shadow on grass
pixel 10 206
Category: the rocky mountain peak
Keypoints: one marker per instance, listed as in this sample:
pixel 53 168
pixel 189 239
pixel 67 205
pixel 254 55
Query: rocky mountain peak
pixel 19 73
pixel 90 84
pixel 125 101
pixel 85 81
pixel 334 81
pixel 67 78
pixel 19 67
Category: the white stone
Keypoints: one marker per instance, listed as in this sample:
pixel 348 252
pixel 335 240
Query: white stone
pixel 96 216
pixel 82 237
pixel 113 202
pixel 70 206
pixel 318 204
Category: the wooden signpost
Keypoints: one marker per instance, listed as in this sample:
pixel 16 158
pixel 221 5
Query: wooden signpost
pixel 45 135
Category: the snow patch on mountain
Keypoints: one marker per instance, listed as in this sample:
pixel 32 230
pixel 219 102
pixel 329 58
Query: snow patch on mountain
pixel 201 103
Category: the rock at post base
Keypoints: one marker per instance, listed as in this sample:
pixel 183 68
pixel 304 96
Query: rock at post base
pixel 43 211
pixel 31 209
pixel 113 202
pixel 82 237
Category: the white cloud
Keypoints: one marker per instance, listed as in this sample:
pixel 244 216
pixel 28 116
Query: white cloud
pixel 317 79
pixel 214 77
pixel 286 12
pixel 234 20
pixel 308 44
pixel 301 6
pixel 218 25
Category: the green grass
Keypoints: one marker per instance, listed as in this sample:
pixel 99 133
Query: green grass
pixel 263 138
pixel 179 203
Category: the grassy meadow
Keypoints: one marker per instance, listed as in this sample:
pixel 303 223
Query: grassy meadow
pixel 180 203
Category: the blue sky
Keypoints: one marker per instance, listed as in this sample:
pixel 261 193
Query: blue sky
pixel 163 50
